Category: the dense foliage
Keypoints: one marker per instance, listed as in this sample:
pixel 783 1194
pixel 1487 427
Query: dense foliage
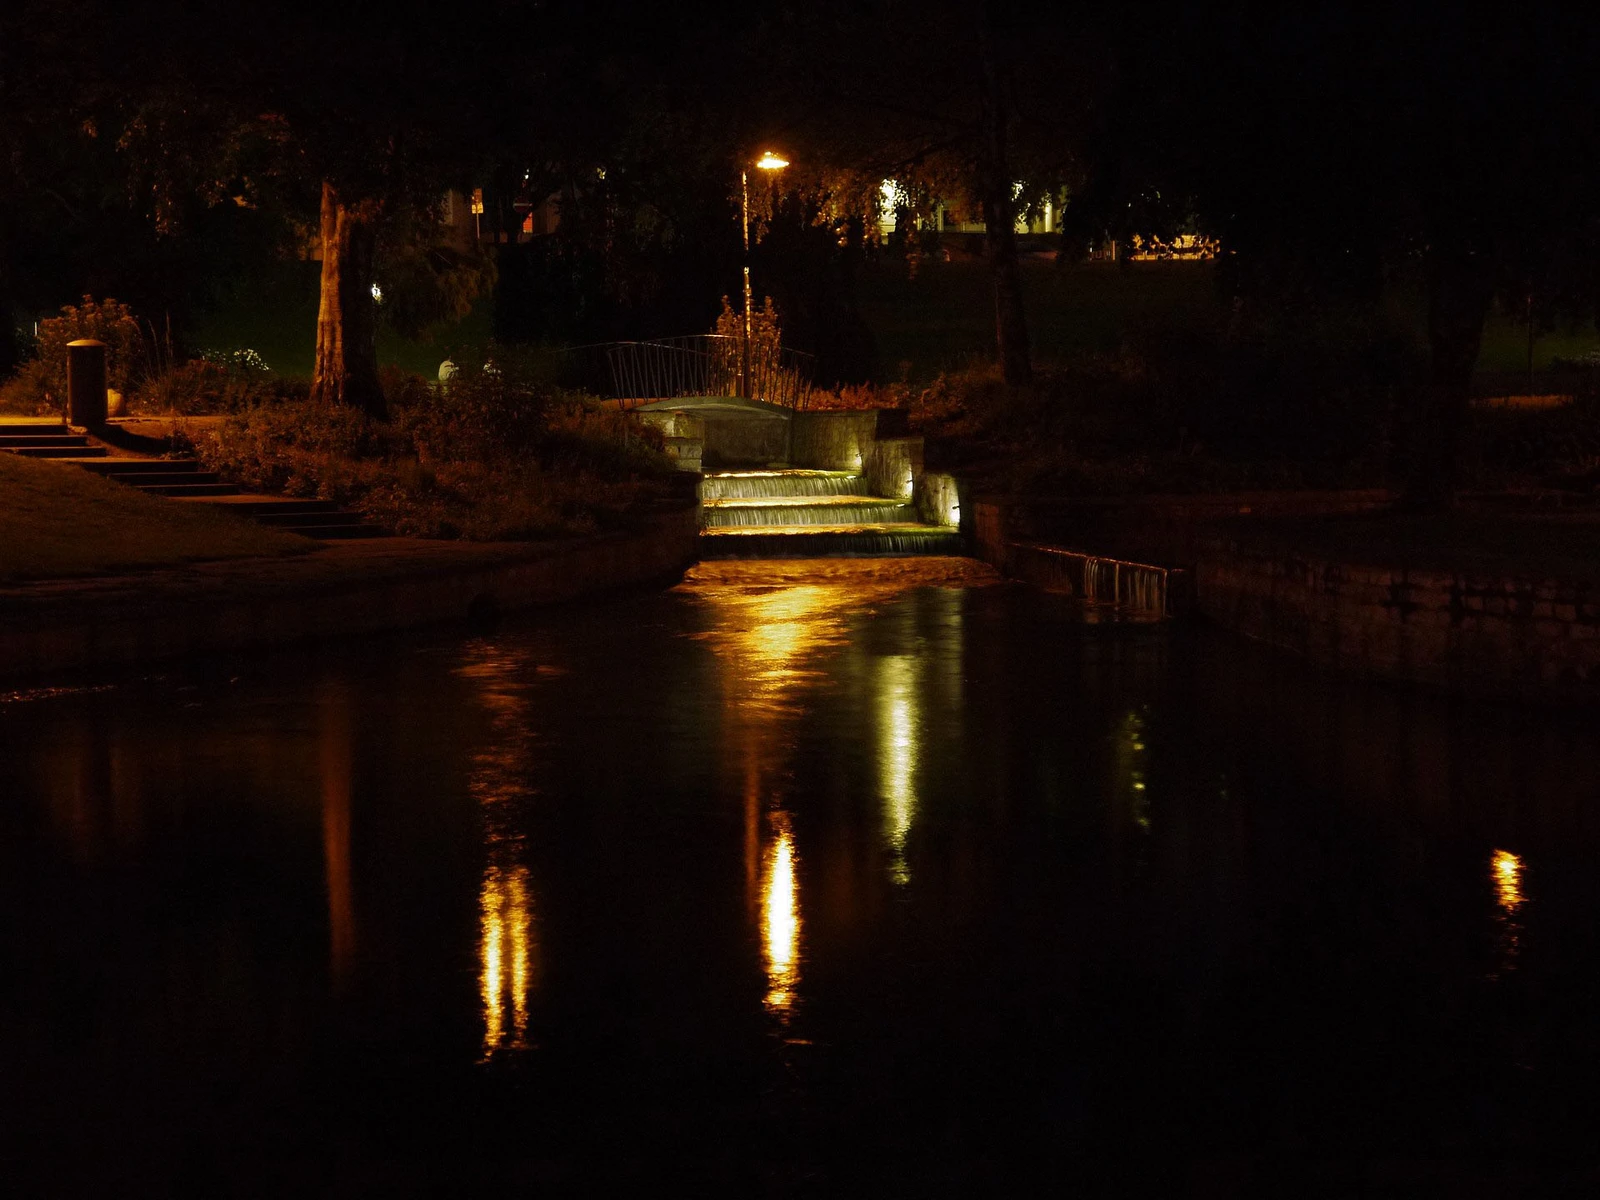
pixel 493 454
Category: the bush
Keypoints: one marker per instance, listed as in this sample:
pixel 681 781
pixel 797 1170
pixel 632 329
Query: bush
pixel 41 385
pixel 210 385
pixel 494 454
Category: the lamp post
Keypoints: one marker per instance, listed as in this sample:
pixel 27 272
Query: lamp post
pixel 767 162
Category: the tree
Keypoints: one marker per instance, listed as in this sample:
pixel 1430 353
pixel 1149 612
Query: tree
pixel 353 117
pixel 1333 150
pixel 950 101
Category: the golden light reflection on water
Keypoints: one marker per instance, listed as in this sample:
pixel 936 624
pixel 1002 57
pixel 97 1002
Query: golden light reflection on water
pixel 498 779
pixel 506 956
pixel 1505 871
pixel 1131 743
pixel 780 920
pixel 774 620
pixel 897 756
pixel 771 625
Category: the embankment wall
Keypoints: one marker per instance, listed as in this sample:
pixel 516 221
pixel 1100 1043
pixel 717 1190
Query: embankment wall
pixel 1501 635
pixel 338 591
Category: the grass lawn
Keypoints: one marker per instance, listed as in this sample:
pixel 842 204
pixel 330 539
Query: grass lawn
pixel 58 521
pixel 278 320
pixel 945 316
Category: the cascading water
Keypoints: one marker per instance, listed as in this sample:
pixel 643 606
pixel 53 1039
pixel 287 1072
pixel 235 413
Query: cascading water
pixel 746 485
pixel 810 510
pixel 806 514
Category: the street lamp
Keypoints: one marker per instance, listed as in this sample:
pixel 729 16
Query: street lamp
pixel 767 162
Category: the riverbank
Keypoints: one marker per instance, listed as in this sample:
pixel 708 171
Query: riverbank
pixel 1494 604
pixel 58 521
pixel 52 626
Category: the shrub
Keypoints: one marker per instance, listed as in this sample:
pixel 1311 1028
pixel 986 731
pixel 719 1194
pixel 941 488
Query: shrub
pixel 210 385
pixel 41 385
pixel 493 454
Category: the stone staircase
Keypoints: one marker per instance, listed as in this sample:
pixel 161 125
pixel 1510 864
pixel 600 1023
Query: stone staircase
pixel 45 439
pixel 790 513
pixel 181 479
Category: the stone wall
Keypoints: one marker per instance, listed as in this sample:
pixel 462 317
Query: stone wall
pixel 743 440
pixel 939 499
pixel 1490 634
pixel 338 591
pixel 1494 635
pixel 833 441
pixel 893 466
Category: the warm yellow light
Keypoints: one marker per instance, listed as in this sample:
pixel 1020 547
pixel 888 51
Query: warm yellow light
pixel 1507 869
pixel 505 953
pixel 781 922
pixel 897 756
pixel 771 162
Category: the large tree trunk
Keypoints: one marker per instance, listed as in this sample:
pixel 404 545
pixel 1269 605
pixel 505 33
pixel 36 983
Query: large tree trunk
pixel 347 352
pixel 1459 292
pixel 999 216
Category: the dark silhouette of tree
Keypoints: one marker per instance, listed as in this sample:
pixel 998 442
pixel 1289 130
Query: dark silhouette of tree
pixel 949 100
pixel 360 113
pixel 1333 148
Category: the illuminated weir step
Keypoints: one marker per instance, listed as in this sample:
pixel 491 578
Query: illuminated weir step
pixel 827 541
pixel 748 485
pixel 808 510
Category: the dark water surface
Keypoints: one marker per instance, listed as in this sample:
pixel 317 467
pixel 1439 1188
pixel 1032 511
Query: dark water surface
pixel 833 882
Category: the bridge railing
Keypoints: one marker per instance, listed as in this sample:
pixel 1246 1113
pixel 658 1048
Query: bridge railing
pixel 704 364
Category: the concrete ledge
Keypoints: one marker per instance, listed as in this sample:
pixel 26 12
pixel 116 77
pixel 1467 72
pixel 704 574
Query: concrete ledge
pixel 1497 634
pixel 1504 635
pixel 338 591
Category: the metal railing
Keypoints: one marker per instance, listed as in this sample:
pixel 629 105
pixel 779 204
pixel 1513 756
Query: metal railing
pixel 702 364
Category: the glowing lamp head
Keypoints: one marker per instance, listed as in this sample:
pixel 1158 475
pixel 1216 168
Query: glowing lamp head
pixel 771 162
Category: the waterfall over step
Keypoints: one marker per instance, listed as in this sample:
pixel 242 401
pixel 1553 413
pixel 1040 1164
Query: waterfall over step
pixel 747 485
pixel 809 514
pixel 810 510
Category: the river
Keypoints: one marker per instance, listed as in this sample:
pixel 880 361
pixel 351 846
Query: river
pixel 808 878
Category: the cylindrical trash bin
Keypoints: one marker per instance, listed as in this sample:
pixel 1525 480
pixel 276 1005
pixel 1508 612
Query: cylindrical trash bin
pixel 86 382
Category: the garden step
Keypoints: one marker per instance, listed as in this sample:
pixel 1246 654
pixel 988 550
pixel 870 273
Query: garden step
pixel 179 490
pixel 147 480
pixel 322 519
pixel 141 466
pixel 56 451
pixel 258 506
pixel 342 532
pixel 16 441
pixel 306 520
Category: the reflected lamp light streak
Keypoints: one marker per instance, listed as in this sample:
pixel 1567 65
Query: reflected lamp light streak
pixel 898 753
pixel 507 960
pixel 1507 871
pixel 780 922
